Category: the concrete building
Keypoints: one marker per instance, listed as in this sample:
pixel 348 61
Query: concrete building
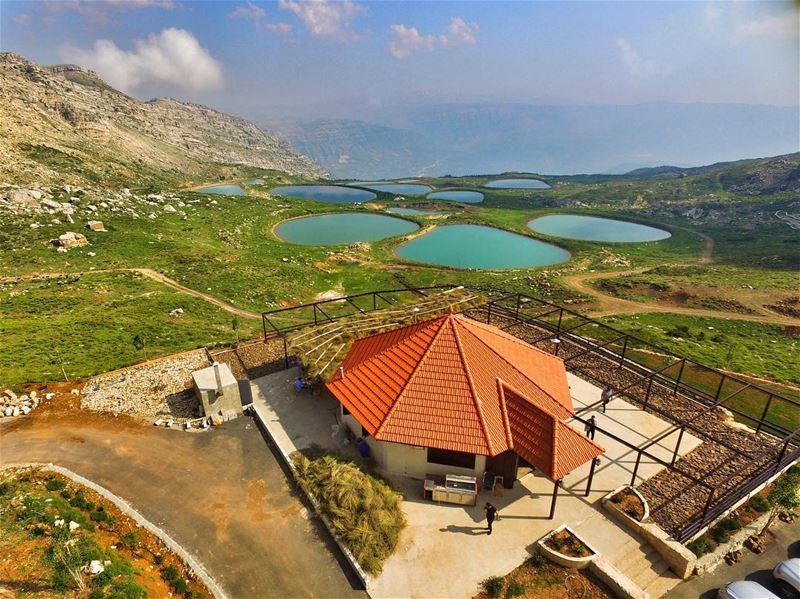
pixel 451 395
pixel 217 391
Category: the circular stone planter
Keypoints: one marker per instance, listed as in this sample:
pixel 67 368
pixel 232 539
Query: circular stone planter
pixel 611 505
pixel 568 561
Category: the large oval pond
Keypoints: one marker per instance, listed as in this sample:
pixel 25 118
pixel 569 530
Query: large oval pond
pixel 224 190
pixel 336 194
pixel 404 189
pixel 340 229
pixel 477 246
pixel 467 197
pixel 593 228
pixel 517 184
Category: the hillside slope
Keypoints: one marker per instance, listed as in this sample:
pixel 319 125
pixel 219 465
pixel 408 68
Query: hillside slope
pixel 65 124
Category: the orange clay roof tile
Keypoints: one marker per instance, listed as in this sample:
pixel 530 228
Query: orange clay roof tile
pixel 454 383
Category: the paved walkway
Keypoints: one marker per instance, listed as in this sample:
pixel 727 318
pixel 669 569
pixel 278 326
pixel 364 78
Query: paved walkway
pixel 444 551
pixel 220 494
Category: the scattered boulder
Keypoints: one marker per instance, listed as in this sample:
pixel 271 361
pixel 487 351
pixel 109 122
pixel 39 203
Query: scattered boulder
pixel 72 240
pixel 95 225
pixel 25 197
pixel 50 204
pixel 169 208
pixel 176 312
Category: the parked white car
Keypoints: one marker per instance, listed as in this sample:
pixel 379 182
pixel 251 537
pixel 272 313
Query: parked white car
pixel 745 589
pixel 789 572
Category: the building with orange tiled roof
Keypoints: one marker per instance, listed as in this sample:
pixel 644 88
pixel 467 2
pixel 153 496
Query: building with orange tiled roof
pixel 451 395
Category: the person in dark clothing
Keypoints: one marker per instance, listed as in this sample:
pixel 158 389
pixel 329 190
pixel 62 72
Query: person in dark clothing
pixel 591 427
pixel 606 396
pixel 491 514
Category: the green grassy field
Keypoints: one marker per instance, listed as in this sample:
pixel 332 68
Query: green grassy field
pixel 224 246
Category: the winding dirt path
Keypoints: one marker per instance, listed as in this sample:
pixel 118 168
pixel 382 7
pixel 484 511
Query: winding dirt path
pixel 608 305
pixel 150 274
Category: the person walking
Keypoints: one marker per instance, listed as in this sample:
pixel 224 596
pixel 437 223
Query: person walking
pixel 491 514
pixel 606 396
pixel 591 427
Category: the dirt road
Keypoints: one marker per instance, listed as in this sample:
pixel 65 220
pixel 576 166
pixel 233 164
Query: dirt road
pixel 220 494
pixel 607 305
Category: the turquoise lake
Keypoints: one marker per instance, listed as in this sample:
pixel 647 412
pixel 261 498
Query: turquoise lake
pixel 593 228
pixel 467 197
pixel 404 189
pixel 224 190
pixel 335 194
pixel 409 211
pixel 341 229
pixel 477 246
pixel 517 184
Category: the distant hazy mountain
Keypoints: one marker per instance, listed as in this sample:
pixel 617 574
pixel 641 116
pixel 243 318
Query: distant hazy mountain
pixel 463 139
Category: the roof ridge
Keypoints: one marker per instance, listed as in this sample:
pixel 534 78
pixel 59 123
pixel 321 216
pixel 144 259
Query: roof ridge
pixel 475 398
pixel 425 325
pixel 504 412
pixel 571 410
pixel 508 336
pixel 402 393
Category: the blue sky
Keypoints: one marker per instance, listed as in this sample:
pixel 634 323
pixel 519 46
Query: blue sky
pixel 326 58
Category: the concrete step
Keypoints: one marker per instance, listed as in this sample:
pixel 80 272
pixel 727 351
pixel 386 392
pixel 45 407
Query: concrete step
pixel 662 585
pixel 630 560
pixel 649 574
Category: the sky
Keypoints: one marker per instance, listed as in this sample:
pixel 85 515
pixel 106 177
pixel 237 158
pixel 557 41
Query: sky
pixel 317 58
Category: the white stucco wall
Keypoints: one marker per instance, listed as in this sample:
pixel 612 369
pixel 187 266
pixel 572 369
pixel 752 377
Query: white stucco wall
pixel 409 460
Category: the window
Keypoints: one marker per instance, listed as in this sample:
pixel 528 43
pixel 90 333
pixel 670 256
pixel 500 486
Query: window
pixel 451 458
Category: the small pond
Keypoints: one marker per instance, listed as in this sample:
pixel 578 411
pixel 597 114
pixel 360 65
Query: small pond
pixel 517 184
pixel 467 197
pixel 336 194
pixel 342 228
pixel 223 190
pixel 403 189
pixel 477 246
pixel 409 211
pixel 593 228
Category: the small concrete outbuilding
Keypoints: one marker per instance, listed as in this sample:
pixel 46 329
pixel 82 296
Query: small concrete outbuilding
pixel 217 391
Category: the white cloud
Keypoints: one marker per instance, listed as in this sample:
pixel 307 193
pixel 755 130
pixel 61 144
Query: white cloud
pixel 326 18
pixel 278 28
pixel 248 11
pixel 407 41
pixel 781 26
pixel 712 13
pixel 459 32
pixel 638 67
pixel 173 57
pixel 22 19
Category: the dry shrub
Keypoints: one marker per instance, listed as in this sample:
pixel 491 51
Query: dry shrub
pixel 364 511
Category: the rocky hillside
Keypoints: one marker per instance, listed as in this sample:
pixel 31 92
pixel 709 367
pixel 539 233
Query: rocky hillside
pixel 64 124
pixel 756 176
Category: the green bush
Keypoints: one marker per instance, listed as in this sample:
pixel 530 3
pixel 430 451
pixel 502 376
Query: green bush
pixel 158 559
pixel 759 504
pixel 721 535
pixel 730 524
pixel 6 488
pixel 99 516
pixel 493 586
pixel 364 511
pixel 54 484
pixel 701 545
pixel 65 494
pixel 515 589
pixel 170 574
pixel 180 586
pixel 537 560
pixel 130 540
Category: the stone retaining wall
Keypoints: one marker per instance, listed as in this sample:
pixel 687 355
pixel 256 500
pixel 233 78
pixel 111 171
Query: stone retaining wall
pixel 160 387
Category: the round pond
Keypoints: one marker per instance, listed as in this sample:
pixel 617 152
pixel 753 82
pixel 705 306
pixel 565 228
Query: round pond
pixel 517 184
pixel 477 246
pixel 223 190
pixel 467 197
pixel 336 194
pixel 403 189
pixel 593 228
pixel 342 228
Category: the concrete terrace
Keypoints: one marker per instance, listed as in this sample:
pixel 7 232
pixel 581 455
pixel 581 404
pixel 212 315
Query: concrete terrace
pixel 445 552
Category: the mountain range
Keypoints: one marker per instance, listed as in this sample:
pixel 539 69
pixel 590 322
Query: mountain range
pixel 464 139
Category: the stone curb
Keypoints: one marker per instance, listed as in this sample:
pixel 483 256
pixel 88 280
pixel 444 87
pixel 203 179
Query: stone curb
pixel 196 567
pixel 365 578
